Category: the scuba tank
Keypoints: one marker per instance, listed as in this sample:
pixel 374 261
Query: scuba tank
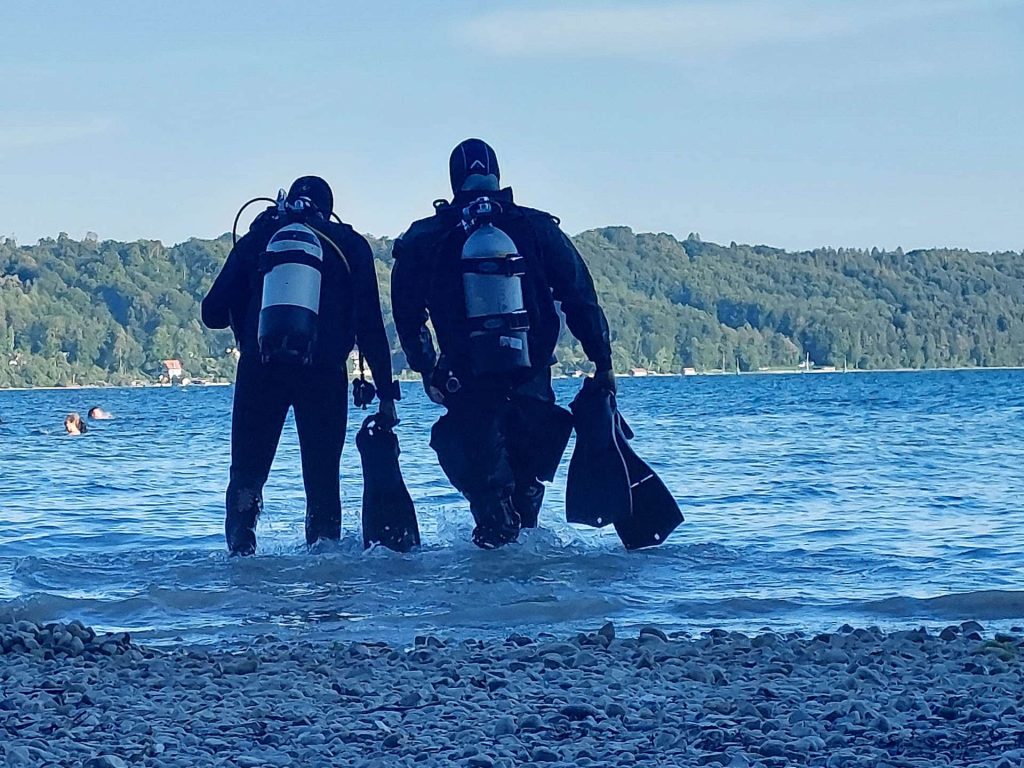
pixel 492 271
pixel 291 268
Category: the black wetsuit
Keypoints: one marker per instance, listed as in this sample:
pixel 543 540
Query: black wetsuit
pixel 490 444
pixel 349 313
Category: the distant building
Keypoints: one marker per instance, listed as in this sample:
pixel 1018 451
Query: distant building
pixel 689 371
pixel 638 372
pixel 173 369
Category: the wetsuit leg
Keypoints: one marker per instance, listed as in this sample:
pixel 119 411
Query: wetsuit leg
pixel 321 411
pixel 260 406
pixel 472 449
pixel 527 434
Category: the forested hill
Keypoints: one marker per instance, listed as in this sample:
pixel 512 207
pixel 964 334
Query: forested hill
pixel 104 311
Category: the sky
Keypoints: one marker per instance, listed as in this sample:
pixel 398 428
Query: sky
pixel 792 123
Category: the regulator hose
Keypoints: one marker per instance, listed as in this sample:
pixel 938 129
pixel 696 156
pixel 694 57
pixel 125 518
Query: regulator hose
pixel 321 235
pixel 333 245
pixel 234 227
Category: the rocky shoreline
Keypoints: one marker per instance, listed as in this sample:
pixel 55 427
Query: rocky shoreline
pixel 856 697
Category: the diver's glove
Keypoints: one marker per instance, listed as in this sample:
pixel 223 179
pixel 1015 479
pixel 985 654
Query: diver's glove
pixel 606 381
pixel 387 415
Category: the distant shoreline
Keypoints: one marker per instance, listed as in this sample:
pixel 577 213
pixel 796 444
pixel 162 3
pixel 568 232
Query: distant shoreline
pixel 800 372
pixel 783 371
pixel 649 375
pixel 75 387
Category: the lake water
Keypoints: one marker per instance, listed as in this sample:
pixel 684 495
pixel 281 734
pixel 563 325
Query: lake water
pixel 811 500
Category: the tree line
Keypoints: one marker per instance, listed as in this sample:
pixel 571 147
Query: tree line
pixel 90 311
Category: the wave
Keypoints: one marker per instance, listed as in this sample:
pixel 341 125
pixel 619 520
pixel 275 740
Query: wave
pixel 990 604
pixel 737 608
pixel 560 581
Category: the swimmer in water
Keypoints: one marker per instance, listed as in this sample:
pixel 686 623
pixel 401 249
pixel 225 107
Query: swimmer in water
pixel 74 424
pixel 98 414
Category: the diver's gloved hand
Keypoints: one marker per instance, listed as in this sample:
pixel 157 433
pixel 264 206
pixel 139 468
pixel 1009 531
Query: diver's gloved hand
pixel 387 416
pixel 606 381
pixel 434 393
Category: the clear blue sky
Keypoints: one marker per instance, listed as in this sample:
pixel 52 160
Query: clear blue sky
pixel 795 123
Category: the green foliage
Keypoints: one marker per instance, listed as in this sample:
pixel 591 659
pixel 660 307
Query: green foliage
pixel 90 312
pixel 694 303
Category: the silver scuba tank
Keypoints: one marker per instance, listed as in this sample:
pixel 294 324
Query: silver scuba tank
pixel 292 266
pixel 492 271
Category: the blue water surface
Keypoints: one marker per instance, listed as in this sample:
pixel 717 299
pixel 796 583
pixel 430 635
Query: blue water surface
pixel 811 500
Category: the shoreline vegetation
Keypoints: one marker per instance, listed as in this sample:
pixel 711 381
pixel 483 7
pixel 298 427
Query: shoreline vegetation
pixel 853 697
pixel 407 377
pixel 92 311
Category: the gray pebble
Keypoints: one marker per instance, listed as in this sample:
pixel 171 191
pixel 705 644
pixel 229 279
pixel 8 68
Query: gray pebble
pixel 531 722
pixel 772 748
pixel 19 757
pixel 105 761
pixel 650 631
pixel 243 666
pixel 504 726
pixel 545 755
pixel 579 711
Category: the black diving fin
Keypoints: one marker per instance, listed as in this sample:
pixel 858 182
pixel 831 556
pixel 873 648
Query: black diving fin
pixel 389 517
pixel 608 482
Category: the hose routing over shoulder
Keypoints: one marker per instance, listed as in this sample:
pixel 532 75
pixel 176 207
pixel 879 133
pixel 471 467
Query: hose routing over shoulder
pixel 234 227
pixel 333 245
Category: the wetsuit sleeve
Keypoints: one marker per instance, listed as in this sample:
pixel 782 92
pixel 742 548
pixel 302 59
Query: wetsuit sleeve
pixel 370 334
pixel 409 307
pixel 572 285
pixel 228 290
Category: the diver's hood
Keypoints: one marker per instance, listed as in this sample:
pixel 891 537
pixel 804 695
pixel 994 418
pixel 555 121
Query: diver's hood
pixel 473 166
pixel 316 189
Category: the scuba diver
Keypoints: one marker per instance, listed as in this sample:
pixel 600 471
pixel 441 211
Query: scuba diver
pixel 299 291
pixel 487 272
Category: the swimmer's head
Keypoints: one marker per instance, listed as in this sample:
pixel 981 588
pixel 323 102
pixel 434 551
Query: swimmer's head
pixel 74 425
pixel 98 413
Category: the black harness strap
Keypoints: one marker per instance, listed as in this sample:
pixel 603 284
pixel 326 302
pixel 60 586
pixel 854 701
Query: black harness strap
pixel 506 266
pixel 270 259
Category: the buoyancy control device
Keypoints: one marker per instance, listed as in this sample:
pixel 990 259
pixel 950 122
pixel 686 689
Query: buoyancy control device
pixel 492 271
pixel 292 267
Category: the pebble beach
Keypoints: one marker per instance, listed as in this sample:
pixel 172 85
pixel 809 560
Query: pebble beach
pixel 854 697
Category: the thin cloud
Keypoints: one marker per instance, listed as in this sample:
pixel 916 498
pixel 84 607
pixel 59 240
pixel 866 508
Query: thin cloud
pixel 25 136
pixel 688 30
